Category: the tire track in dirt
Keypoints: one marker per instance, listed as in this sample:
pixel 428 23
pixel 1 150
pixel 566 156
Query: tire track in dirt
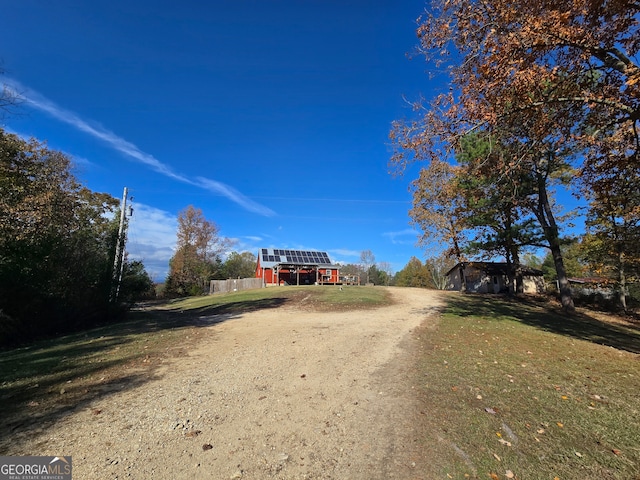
pixel 278 393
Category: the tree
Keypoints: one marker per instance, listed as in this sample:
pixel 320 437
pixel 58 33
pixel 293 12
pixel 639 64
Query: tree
pixel 495 200
pixel 612 243
pixel 531 260
pixel 240 265
pixel 438 267
pixel 136 283
pixel 378 276
pixel 8 98
pixel 352 270
pixel 198 250
pixel 368 260
pixel 574 60
pixel 414 274
pixel 557 82
pixel 386 272
pixel 438 209
pixel 57 240
pixel 572 254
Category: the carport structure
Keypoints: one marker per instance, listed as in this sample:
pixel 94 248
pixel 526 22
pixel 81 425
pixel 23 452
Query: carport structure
pixel 296 267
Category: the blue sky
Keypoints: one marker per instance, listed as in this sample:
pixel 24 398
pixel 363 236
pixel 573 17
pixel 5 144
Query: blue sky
pixel 271 116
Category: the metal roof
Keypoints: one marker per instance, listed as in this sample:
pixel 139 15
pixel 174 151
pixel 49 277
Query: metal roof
pixel 270 257
pixel 497 268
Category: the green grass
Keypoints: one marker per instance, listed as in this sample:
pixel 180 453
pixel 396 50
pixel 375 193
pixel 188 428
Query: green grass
pixel 514 387
pixel 325 297
pixel 90 364
pixel 504 386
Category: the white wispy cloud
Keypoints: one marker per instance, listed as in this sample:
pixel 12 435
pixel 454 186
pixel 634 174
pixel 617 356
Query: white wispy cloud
pixel 234 195
pixel 403 237
pixel 130 150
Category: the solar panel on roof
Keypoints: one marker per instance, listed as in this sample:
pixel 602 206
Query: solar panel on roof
pixel 299 257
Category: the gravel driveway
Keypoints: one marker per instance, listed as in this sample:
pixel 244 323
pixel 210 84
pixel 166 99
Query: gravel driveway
pixel 284 393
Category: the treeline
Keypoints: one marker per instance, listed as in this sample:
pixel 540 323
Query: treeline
pixel 578 258
pixel 540 99
pixel 57 246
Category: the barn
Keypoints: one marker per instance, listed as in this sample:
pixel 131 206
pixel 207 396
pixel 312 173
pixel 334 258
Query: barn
pixel 296 267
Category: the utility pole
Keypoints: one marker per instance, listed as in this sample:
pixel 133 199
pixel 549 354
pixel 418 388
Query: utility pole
pixel 118 261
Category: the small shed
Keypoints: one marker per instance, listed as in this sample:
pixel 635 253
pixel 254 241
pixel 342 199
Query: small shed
pixel 492 277
pixel 278 266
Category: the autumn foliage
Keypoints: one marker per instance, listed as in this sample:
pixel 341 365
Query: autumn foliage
pixel 556 84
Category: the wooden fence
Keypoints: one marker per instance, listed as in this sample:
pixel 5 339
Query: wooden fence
pixel 234 285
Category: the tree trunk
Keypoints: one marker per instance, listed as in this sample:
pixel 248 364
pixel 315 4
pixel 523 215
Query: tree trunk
pixel 510 276
pixel 622 282
pixel 545 216
pixel 517 267
pixel 566 298
pixel 458 253
pixel 463 281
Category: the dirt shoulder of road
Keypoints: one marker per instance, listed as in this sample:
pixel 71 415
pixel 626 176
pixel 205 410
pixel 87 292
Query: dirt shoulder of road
pixel 283 393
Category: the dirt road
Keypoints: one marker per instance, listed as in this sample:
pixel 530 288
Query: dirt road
pixel 281 393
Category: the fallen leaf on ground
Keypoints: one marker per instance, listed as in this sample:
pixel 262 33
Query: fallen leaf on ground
pixel 560 424
pixel 494 476
pixel 504 442
pixel 509 474
pixel 616 451
pixel 207 446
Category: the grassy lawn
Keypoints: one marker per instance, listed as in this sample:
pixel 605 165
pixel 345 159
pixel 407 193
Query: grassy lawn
pixel 508 389
pixel 514 390
pixel 46 379
pixel 323 298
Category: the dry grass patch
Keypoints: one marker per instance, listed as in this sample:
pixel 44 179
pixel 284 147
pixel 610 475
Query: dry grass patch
pixel 513 390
